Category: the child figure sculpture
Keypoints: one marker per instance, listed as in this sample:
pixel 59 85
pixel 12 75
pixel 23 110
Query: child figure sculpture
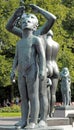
pixel 27 49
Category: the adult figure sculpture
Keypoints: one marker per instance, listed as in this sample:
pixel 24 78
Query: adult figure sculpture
pixel 17 31
pixel 65 86
pixel 52 48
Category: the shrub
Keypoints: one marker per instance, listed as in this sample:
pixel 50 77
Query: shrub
pixel 14 108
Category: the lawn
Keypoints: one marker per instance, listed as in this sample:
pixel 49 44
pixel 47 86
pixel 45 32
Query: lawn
pixel 10 114
pixel 12 111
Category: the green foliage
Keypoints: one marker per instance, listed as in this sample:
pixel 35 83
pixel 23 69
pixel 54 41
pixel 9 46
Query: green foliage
pixel 68 22
pixel 7 41
pixel 14 108
pixel 68 3
pixel 63 33
pixel 5 67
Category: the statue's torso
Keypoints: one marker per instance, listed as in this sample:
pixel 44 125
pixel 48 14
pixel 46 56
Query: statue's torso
pixel 52 49
pixel 65 83
pixel 26 53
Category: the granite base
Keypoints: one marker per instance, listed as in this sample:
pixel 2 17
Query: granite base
pixel 63 111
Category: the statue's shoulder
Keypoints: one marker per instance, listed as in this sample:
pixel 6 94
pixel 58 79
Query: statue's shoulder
pixel 36 37
pixel 18 42
pixel 37 40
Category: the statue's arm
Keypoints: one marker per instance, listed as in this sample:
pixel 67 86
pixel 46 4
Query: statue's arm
pixel 69 79
pixel 11 27
pixel 42 59
pixel 49 16
pixel 15 64
pixel 15 61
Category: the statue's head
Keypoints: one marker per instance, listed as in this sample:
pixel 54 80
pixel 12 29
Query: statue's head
pixel 65 70
pixel 29 21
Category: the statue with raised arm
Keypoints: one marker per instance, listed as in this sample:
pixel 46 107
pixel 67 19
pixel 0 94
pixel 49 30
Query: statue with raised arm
pixel 65 86
pixel 12 27
pixel 25 59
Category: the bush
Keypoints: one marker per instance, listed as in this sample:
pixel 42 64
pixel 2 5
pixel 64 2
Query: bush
pixel 14 108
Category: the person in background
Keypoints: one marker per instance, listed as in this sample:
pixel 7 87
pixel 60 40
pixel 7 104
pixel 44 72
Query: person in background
pixel 17 100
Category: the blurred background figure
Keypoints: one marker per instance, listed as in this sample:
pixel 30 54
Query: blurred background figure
pixel 65 86
pixel 17 100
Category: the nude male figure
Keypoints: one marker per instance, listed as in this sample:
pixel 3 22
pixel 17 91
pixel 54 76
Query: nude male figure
pixel 25 59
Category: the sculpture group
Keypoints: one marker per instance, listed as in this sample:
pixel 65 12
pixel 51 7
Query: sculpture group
pixel 35 57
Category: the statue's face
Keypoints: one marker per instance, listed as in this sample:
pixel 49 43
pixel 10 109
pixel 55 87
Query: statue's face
pixel 65 70
pixel 29 21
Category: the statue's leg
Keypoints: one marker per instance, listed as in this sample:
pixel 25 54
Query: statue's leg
pixel 24 100
pixel 49 99
pixel 62 92
pixel 43 100
pixel 33 94
pixel 34 100
pixel 64 97
pixel 53 95
pixel 67 98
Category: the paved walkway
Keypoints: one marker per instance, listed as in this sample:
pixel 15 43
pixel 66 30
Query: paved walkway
pixel 9 122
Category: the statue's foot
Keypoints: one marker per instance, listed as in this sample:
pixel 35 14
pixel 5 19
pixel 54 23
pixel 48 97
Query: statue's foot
pixel 31 125
pixel 20 125
pixel 42 123
pixel 48 116
pixel 51 115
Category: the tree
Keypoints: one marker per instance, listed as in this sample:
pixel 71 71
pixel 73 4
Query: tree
pixel 7 41
pixel 63 30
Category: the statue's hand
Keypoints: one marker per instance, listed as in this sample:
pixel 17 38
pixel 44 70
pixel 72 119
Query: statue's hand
pixel 12 77
pixel 19 11
pixel 41 77
pixel 34 8
pixel 49 82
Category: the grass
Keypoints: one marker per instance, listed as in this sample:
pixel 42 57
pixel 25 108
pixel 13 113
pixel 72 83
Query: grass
pixel 12 111
pixel 10 114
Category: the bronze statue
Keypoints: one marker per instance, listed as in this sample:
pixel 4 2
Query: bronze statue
pixel 51 49
pixel 52 69
pixel 27 48
pixel 25 59
pixel 65 86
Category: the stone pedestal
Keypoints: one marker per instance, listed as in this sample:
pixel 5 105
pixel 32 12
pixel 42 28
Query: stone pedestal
pixel 43 128
pixel 57 121
pixel 6 127
pixel 53 124
pixel 63 111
